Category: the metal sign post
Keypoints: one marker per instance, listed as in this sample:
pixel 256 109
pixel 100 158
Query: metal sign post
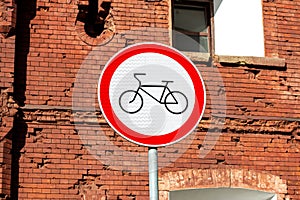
pixel 153 173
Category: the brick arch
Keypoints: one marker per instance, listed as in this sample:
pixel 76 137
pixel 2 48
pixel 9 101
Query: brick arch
pixel 216 178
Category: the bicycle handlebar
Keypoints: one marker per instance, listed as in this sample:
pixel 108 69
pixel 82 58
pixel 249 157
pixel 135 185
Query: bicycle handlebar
pixel 138 74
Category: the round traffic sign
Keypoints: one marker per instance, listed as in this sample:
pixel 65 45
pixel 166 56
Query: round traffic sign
pixel 151 94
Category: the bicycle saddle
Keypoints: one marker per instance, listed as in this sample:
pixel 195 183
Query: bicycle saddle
pixel 163 81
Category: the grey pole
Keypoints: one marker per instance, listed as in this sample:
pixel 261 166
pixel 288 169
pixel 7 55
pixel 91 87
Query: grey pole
pixel 153 173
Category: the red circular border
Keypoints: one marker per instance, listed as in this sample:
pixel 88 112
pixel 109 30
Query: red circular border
pixel 122 129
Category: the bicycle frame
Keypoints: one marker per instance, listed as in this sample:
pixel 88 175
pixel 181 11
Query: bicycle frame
pixel 161 101
pixel 165 97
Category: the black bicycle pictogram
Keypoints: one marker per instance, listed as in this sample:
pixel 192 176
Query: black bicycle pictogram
pixel 131 101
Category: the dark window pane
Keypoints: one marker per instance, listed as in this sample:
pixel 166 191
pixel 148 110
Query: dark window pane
pixel 204 47
pixel 191 28
pixel 193 43
pixel 190 19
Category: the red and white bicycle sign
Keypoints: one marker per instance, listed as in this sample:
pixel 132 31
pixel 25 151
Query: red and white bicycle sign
pixel 151 94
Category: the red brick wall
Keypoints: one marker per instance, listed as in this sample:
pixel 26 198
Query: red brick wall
pixel 57 51
pixel 7 104
pixel 60 154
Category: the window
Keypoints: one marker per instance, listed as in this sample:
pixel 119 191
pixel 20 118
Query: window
pixel 237 27
pixel 191 25
pixel 221 194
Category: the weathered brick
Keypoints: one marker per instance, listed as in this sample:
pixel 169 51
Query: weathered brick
pixel 258 148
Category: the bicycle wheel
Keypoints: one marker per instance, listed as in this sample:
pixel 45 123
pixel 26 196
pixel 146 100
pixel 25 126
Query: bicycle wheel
pixel 131 101
pixel 176 102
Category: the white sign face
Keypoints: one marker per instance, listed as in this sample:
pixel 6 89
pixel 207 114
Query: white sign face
pixel 157 86
pixel 151 94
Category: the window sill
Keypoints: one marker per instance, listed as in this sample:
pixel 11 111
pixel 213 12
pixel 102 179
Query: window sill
pixel 237 60
pixel 251 61
pixel 197 56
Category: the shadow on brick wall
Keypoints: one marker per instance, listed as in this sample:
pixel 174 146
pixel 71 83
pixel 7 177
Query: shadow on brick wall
pixel 18 135
pixel 26 11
